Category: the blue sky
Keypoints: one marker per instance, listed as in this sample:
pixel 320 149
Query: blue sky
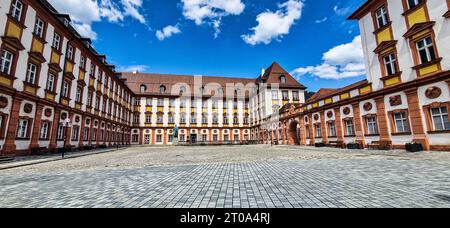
pixel 313 40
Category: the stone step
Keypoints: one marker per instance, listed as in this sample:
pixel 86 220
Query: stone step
pixel 5 159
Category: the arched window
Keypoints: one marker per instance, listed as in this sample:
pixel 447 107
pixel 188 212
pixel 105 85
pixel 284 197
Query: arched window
pixel 143 88
pixel 162 89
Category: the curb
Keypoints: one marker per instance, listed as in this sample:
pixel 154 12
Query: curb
pixel 48 160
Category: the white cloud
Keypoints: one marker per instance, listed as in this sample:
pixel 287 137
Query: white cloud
pixel 274 25
pixel 211 11
pixel 135 68
pixel 342 11
pixel 343 61
pixel 86 12
pixel 322 20
pixel 167 32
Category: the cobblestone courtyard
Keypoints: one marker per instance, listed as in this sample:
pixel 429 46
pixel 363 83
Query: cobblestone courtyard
pixel 241 176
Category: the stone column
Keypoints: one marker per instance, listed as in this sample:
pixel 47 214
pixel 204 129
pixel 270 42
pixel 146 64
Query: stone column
pixel 385 137
pixel 10 146
pixel 312 129
pixel 359 131
pixel 302 131
pixel 338 125
pixel 417 119
pixel 324 127
pixel 36 127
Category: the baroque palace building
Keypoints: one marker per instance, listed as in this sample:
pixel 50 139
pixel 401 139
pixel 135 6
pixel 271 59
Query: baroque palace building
pixel 56 91
pixel 405 97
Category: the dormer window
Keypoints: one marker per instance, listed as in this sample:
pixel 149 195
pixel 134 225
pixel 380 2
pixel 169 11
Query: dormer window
pixel 382 17
pixel 162 89
pixel 143 88
pixel 66 22
pixel 202 90
pixel 182 90
pixel 283 79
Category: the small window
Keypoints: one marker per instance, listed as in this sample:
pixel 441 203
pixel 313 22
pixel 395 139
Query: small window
pixel 160 119
pixel 22 132
pixel 160 102
pixel 183 118
pixel 440 119
pixel 215 118
pixel 143 88
pixel 283 79
pixel 162 89
pixel 382 17
pixel 148 119
pixel 44 133
pixel 193 118
pixel 318 130
pixel 401 122
pixel 182 90
pixel 295 96
pixel 65 91
pixel 39 28
pixel 413 3
pixel 204 118
pixel 426 50
pixel 332 129
pixel 372 125
pixel 390 63
pixel 56 41
pixel 349 127
pixel 6 62
pixel 31 74
pixel 83 62
pixel 78 95
pixel 16 10
pixel 171 119
pixel 285 95
pixel 274 94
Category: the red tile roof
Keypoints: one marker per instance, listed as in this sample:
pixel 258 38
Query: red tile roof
pixel 325 93
pixel 274 72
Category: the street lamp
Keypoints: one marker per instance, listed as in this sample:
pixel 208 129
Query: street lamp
pixel 66 124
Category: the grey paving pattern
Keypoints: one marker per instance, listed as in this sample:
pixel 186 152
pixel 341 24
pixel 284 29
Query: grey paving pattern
pixel 342 183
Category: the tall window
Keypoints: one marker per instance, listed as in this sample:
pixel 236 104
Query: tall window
pixel 160 102
pixel 16 10
pixel 22 131
pixel 56 41
pixel 390 63
pixel 65 91
pixel 171 119
pixel 235 104
pixel 183 118
pixel 414 3
pixel 70 53
pixel 78 95
pixel 89 99
pixel 83 62
pixel 75 132
pixel 382 17
pixel 235 119
pixel 86 134
pixel 440 118
pixel 295 96
pixel 318 129
pixel 60 132
pixel 401 122
pixel 45 127
pixel 308 132
pixel 160 119
pixel 349 127
pixel 172 102
pixel 39 28
pixel 274 94
pixel 137 101
pixel 225 119
pixel 31 73
pixel 6 62
pixel 225 104
pixel 372 126
pixel 149 102
pixel 332 129
pixel 426 50
pixel 193 118
pixel 215 118
pixel 148 119
pixel 204 118
pixel 51 82
pixel 285 95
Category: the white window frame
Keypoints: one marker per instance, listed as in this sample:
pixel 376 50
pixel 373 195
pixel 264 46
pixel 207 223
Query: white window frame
pixel 51 82
pixel 31 73
pixel 6 62
pixel 17 9
pixel 22 131
pixel 401 122
pixel 441 115
pixel 372 126
pixel 39 27
pixel 56 41
pixel 390 62
pixel 426 47
pixel 65 91
pixel 44 130
pixel 382 14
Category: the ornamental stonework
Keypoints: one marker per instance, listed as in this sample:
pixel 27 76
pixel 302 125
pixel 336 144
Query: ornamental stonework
pixel 330 114
pixel 28 108
pixel 346 110
pixel 3 102
pixel 433 92
pixel 316 117
pixel 395 100
pixel 368 106
pixel 48 112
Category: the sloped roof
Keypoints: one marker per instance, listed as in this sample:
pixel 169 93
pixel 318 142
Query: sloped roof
pixel 274 72
pixel 174 82
pixel 324 93
pixel 321 93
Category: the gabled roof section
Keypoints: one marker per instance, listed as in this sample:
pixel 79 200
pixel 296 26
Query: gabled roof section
pixel 363 10
pixel 326 93
pixel 321 93
pixel 274 72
